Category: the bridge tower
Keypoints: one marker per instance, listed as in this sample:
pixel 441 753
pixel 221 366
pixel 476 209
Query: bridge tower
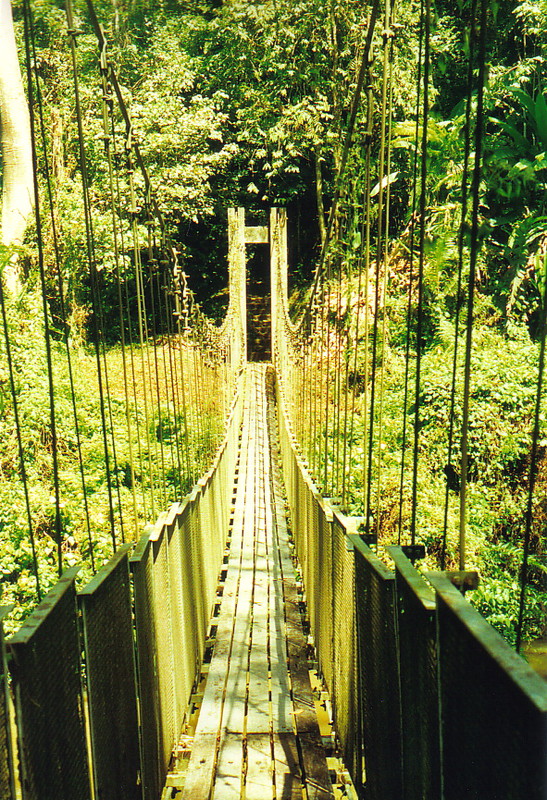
pixel 259 302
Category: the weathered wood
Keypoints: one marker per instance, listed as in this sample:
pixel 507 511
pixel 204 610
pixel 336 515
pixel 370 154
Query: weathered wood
pixel 288 774
pixel 316 774
pixel 259 778
pixel 199 777
pixel 257 234
pixel 229 771
pixel 257 731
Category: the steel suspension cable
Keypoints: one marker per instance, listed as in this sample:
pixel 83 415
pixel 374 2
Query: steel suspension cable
pixel 351 357
pixel 175 384
pixel 90 247
pixel 18 433
pixel 153 332
pixel 339 329
pixel 532 474
pixel 354 109
pixel 126 305
pixel 181 332
pixel 169 365
pixel 410 277
pixel 167 376
pixel 60 289
pixel 45 309
pixel 419 323
pixel 108 133
pixel 377 281
pixel 390 12
pixel 474 249
pixel 141 314
pixel 363 266
pixel 461 239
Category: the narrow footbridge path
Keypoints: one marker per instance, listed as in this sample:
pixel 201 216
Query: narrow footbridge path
pixel 98 683
pixel 257 736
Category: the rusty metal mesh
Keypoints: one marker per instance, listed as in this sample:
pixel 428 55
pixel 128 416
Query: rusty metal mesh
pixel 45 667
pixel 6 765
pixel 328 574
pixel 111 680
pixel 324 631
pixel 183 671
pixel 344 692
pixel 145 631
pixel 164 648
pixel 494 709
pixel 378 675
pixel 419 682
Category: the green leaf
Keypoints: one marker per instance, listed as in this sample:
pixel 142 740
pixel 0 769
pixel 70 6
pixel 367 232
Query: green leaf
pixel 525 100
pixel 522 143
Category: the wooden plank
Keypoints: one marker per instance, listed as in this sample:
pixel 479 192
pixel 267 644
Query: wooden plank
pixel 247 700
pixel 211 711
pixel 288 775
pixel 259 779
pixel 258 705
pixel 233 716
pixel 199 776
pixel 314 762
pixel 316 773
pixel 229 771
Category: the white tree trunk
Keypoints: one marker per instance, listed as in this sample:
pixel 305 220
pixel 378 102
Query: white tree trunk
pixel 17 189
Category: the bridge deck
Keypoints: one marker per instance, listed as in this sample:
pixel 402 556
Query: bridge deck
pixel 257 735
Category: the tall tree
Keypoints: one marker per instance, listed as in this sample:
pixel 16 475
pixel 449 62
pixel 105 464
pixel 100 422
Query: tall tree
pixel 17 174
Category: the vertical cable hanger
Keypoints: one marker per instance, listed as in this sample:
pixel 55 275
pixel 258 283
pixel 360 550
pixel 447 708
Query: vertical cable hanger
pixel 352 117
pixel 109 143
pixel 367 231
pixel 338 339
pixel 352 357
pixel 421 259
pixel 90 247
pixel 164 345
pixel 327 337
pixel 61 293
pixel 175 382
pixel 180 324
pixel 410 276
pixel 18 433
pixel 126 315
pixel 45 309
pixel 474 250
pixel 374 389
pixel 461 240
pixel 152 333
pixel 532 474
pixel 389 38
pixel 141 313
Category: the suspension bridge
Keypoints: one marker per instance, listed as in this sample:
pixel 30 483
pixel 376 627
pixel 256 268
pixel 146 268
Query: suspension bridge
pixel 256 640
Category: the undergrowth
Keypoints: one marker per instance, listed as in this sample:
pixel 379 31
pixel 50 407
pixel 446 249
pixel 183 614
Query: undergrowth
pixel 503 390
pixel 148 467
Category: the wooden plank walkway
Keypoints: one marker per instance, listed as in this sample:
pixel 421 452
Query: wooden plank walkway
pixel 257 735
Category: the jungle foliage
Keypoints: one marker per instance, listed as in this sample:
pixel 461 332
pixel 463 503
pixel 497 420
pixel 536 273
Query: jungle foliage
pixel 238 103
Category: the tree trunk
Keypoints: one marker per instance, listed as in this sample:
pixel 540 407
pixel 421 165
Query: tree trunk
pixel 17 178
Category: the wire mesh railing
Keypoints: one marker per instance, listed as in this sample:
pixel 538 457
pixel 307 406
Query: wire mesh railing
pixel 119 396
pixel 146 409
pixel 428 699
pixel 101 678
